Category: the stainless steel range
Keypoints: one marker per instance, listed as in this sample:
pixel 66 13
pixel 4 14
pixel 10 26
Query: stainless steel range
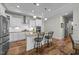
pixel 4 35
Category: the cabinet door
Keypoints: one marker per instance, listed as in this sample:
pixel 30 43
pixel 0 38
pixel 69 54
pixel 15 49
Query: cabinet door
pixel 38 22
pixel 32 23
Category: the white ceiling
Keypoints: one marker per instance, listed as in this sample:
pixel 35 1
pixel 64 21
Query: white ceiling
pixel 27 8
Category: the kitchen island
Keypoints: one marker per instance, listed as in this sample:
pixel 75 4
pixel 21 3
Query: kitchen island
pixel 30 40
pixel 28 35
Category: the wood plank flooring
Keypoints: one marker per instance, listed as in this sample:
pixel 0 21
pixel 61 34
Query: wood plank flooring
pixel 17 47
pixel 59 47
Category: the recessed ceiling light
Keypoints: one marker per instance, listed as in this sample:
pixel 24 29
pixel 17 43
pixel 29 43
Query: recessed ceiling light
pixel 72 23
pixel 45 19
pixel 49 9
pixel 66 13
pixel 17 6
pixel 34 16
pixel 32 10
pixel 17 28
pixel 37 4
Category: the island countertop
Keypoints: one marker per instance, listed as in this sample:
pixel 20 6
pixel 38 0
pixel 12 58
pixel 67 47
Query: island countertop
pixel 26 32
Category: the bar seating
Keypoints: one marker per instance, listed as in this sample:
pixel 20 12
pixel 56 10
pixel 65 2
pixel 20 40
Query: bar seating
pixel 38 42
pixel 48 39
pixel 76 47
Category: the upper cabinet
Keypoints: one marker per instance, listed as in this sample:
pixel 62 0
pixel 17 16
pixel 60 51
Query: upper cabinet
pixel 35 23
pixel 16 20
pixel 38 22
pixel 32 23
pixel 2 10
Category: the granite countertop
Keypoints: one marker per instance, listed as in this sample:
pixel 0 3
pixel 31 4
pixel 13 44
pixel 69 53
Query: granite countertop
pixel 26 32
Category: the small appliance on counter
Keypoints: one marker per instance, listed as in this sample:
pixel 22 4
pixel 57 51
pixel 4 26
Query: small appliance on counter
pixel 4 35
pixel 38 28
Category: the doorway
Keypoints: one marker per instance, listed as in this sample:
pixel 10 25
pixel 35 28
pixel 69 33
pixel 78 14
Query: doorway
pixel 68 24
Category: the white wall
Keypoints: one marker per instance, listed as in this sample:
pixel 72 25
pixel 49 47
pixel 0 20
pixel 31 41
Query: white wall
pixel 76 24
pixel 53 23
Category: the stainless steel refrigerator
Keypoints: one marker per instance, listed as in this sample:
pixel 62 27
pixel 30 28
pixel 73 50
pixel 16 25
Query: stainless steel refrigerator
pixel 4 35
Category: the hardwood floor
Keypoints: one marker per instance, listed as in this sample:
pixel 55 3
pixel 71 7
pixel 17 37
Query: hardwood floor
pixel 17 47
pixel 62 47
pixel 59 47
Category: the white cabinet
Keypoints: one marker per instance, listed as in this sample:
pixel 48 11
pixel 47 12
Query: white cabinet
pixel 2 10
pixel 32 23
pixel 38 22
pixel 16 20
pixel 17 36
pixel 30 42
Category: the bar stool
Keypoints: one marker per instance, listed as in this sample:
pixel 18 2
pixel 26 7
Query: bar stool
pixel 49 39
pixel 38 42
pixel 76 47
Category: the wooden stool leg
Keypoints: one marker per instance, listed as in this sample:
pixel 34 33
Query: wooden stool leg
pixel 35 45
pixel 75 51
pixel 37 50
